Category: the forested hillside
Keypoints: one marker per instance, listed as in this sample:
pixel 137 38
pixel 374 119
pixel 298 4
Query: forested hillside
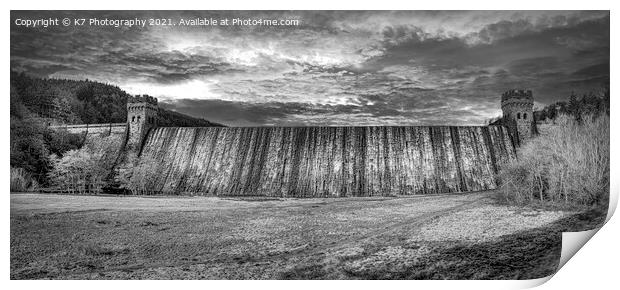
pixel 593 103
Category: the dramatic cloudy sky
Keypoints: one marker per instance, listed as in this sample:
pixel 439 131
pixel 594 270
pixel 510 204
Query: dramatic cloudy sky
pixel 335 68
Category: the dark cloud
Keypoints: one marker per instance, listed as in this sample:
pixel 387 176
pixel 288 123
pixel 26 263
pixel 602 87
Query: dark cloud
pixel 597 70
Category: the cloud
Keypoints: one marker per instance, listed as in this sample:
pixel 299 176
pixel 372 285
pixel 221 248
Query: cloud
pixel 336 68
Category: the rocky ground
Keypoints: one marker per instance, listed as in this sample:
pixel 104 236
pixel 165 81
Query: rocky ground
pixel 466 236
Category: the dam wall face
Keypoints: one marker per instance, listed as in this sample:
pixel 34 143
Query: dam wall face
pixel 321 161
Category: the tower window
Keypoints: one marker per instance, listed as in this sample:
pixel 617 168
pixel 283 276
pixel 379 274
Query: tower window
pixel 524 116
pixel 138 118
pixel 518 115
pixel 133 119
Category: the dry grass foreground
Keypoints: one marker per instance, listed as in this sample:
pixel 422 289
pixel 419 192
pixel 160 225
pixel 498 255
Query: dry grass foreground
pixel 465 236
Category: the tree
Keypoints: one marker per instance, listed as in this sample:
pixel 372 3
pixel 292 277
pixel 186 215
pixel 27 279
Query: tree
pixel 573 107
pixel 84 170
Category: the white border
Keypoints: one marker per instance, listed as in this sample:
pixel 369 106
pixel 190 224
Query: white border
pixel 596 265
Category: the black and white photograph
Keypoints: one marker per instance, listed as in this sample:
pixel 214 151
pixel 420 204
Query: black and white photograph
pixel 305 144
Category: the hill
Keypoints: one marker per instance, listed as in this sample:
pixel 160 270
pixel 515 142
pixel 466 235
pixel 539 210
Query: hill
pixel 84 102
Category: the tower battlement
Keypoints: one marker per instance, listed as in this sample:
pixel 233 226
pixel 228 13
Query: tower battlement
pixel 523 98
pixel 517 107
pixel 517 94
pixel 141 116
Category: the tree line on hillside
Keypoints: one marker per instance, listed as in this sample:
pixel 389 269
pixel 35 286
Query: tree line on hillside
pixel 592 103
pixel 37 102
pixel 70 101
pixel 167 118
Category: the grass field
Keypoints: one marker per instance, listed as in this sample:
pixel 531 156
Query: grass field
pixel 466 236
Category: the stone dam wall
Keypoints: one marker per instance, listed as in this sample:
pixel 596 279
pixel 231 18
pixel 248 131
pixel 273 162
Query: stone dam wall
pixel 94 132
pixel 108 128
pixel 321 161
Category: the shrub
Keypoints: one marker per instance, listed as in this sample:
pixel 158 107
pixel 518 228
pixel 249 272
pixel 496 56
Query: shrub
pixel 568 165
pixel 22 181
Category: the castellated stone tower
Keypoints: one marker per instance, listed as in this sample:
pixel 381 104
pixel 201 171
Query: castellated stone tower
pixel 518 113
pixel 141 116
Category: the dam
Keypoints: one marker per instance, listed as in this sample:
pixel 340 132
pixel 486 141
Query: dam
pixel 322 161
pixel 311 161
